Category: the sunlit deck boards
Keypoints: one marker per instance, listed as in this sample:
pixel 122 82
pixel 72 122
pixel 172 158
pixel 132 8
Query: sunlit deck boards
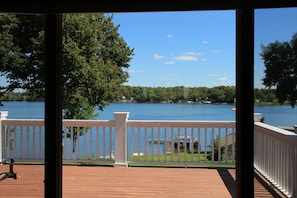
pixel 94 181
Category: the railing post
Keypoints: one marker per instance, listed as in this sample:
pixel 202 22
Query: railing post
pixel 121 139
pixel 3 115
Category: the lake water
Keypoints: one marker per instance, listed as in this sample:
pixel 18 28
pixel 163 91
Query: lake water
pixel 274 115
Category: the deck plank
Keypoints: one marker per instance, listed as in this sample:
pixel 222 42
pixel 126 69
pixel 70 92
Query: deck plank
pixel 94 181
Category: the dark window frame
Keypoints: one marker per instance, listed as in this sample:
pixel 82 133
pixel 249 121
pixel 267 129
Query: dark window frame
pixel 244 70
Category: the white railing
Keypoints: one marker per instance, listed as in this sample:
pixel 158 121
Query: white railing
pixel 275 156
pixel 82 140
pixel 181 142
pixel 22 139
pixel 88 140
pixel 122 142
pixel 131 141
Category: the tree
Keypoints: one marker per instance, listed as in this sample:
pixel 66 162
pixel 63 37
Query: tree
pixel 95 59
pixel 280 60
pixel 215 148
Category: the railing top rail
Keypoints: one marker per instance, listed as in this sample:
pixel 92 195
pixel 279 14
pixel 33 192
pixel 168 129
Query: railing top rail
pixel 108 123
pixel 23 122
pixel 181 123
pixel 276 132
pixel 22 119
pixel 40 122
pixel 131 123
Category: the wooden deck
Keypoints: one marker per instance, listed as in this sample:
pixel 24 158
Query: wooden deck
pixel 95 181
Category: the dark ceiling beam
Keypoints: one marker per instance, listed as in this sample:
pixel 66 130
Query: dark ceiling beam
pixel 112 6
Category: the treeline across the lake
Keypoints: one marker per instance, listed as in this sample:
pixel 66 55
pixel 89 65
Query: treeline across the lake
pixel 181 94
pixel 20 96
pixel 178 94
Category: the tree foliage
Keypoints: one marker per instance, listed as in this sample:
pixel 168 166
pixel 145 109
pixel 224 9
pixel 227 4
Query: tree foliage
pixel 95 59
pixel 198 95
pixel 218 150
pixel 280 59
pixel 220 94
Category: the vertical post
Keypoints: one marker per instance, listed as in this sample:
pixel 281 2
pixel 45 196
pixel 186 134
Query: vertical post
pixel 3 115
pixel 244 103
pixel 294 194
pixel 53 106
pixel 121 139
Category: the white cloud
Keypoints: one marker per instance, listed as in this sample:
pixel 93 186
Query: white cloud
pixel 186 58
pixel 223 79
pixel 193 53
pixel 219 81
pixel 157 57
pixel 205 42
pixel 169 36
pixel 170 62
pixel 135 71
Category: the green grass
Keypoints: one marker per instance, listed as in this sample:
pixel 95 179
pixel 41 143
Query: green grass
pixel 174 157
pixel 174 160
pixel 172 165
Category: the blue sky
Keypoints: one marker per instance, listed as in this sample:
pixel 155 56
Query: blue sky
pixel 195 49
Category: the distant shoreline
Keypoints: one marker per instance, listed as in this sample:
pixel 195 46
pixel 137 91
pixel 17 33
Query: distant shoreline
pixel 187 102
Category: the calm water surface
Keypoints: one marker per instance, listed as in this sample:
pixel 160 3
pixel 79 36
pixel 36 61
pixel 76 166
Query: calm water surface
pixel 274 115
